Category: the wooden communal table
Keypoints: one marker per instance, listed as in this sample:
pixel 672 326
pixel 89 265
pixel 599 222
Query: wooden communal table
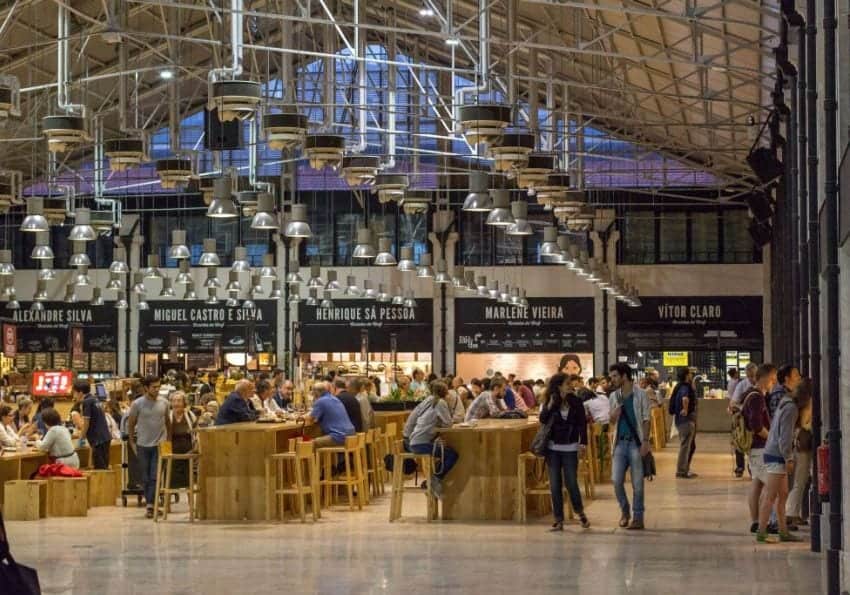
pixel 382 418
pixel 232 471
pixel 483 484
pixel 25 462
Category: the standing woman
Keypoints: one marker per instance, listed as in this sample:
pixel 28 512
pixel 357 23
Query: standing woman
pixel 181 436
pixel 567 438
pixel 803 447
pixel 779 461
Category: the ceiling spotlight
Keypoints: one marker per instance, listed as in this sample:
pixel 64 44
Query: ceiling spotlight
pixel 409 301
pixel 42 249
pixel 166 74
pixel 121 301
pixel 233 281
pixel 139 284
pixel 179 250
pixel 36 307
pixel 119 261
pixel 46 271
pixel 209 257
pixel 70 295
pixel 184 276
pixel 501 214
pixel 352 289
pixel 212 281
pixel 369 290
pixel 40 291
pixel 363 249
pixel 13 304
pixel 315 280
pixel 405 262
pixel 481 283
pixel 326 300
pixel 212 296
pixel 82 230
pixel 493 291
pixel 296 222
pixel 512 151
pixel 442 277
pixel 64 133
pixel 35 220
pixel 383 296
pixel 549 250
pixel 173 172
pixel 6 266
pixel 82 278
pixel 190 294
pixel 286 130
pixel 222 205
pixel 384 257
pixel 484 123
pixel 268 270
pixel 478 200
pixel 96 297
pixel 520 226
pixel 425 271
pixel 234 100
pixel 523 300
pixel 390 187
pixel 275 294
pixel 248 304
pixel 505 295
pixel 398 298
pixel 265 218
pixel 240 260
pixel 152 271
pixel 115 283
pixel 360 170
pixel 333 283
pixel 312 297
pixel 167 288
pixel 124 153
pixel 232 299
pixel 293 277
pixel 79 254
pixel 324 150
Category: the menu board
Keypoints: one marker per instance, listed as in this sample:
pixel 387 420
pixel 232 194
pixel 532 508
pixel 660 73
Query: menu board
pixel 691 324
pixel 80 362
pixel 195 327
pixel 338 329
pixel 41 361
pixel 547 325
pixel 60 360
pixel 48 330
pixel 103 362
pixel 23 361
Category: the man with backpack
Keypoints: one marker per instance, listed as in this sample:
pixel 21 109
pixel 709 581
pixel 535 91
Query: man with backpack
pixel 756 422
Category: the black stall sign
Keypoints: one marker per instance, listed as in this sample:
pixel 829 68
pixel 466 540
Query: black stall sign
pixel 194 327
pixel 547 325
pixel 340 328
pixel 49 330
pixel 691 323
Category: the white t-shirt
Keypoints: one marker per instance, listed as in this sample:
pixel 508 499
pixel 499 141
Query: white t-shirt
pixel 598 408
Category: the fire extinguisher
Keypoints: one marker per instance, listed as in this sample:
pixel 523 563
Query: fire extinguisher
pixel 823 470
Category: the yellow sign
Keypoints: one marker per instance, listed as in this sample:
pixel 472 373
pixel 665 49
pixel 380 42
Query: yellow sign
pixel 675 358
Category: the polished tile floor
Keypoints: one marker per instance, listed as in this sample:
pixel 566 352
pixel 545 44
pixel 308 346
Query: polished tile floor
pixel 696 542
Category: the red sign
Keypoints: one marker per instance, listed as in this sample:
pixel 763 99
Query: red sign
pixel 52 383
pixel 10 340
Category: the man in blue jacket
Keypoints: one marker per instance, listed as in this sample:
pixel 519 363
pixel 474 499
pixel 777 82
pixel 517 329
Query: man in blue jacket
pixel 236 407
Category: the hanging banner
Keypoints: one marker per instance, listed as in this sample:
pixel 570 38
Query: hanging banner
pixel 198 326
pixel 691 323
pixel 547 325
pixel 49 331
pixel 339 328
pixel 76 342
pixel 10 340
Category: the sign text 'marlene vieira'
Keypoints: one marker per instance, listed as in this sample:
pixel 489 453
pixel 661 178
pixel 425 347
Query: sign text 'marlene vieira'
pixel 520 313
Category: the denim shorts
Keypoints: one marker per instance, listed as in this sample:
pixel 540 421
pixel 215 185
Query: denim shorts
pixel 757 467
pixel 775 468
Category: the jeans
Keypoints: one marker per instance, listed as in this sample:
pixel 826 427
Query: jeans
pixel 687 431
pixel 148 458
pixel 739 461
pixel 563 468
pixel 627 455
pixel 802 471
pixel 444 464
pixel 100 455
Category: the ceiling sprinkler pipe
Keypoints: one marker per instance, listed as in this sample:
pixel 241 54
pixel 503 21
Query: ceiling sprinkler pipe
pixel 391 83
pixel 362 80
pixel 63 32
pixel 483 61
pixel 236 44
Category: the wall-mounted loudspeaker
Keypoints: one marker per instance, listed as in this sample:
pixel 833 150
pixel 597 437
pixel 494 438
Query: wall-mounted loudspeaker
pixel 761 232
pixel 765 165
pixel 759 204
pixel 221 136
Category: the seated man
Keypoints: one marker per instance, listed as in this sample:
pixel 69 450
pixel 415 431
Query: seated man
pixel 236 407
pixel 489 402
pixel 264 402
pixel 330 414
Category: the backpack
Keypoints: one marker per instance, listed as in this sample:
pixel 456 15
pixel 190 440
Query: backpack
pixel 742 437
pixel 675 405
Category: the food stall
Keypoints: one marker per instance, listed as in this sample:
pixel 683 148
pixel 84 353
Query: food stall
pixel 529 342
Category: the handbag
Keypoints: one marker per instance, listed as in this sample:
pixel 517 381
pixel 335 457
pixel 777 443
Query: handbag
pixel 648 460
pixel 15 578
pixel 540 442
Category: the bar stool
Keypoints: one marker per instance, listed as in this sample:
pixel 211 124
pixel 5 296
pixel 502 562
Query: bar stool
pixel 295 474
pixel 426 465
pixel 164 490
pixel 526 462
pixel 585 472
pixel 350 480
pixel 373 468
pixel 364 466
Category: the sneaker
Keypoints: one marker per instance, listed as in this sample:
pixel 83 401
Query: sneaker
pixel 686 475
pixel 772 529
pixel 739 473
pixel 437 487
pixel 761 538
pixel 754 527
pixel 149 513
pixel 557 526
pixel 624 521
pixel 585 524
pixel 788 538
pixel 637 525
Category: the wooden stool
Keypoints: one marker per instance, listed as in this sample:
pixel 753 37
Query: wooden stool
pixel 585 473
pixel 67 496
pixel 102 486
pixel 290 480
pixel 25 499
pixel 524 461
pixel 352 478
pixel 373 468
pixel 426 465
pixel 164 468
pixel 364 465
pixel 377 453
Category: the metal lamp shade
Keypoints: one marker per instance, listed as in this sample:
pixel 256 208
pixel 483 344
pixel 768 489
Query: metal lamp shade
pixel 384 257
pixel 179 250
pixel 240 260
pixel 405 263
pixel 209 257
pixel 297 226
pixel 265 217
pixel 42 249
pixel 35 220
pixel 501 213
pixel 82 230
pixel 363 249
pixel 478 200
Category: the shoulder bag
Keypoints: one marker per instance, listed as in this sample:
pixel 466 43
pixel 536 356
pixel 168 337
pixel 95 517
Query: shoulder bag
pixel 540 442
pixel 648 459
